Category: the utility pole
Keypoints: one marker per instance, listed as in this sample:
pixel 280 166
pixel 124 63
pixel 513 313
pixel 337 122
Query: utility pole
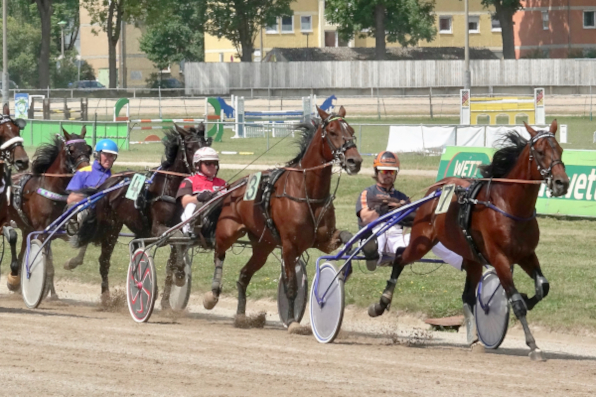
pixel 467 74
pixel 4 55
pixel 123 72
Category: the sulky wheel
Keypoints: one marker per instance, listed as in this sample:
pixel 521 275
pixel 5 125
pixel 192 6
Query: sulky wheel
pixel 326 316
pixel 33 275
pixel 491 310
pixel 179 296
pixel 301 295
pixel 141 286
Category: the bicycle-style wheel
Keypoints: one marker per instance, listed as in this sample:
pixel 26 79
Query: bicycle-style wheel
pixel 179 296
pixel 491 311
pixel 326 317
pixel 301 295
pixel 141 286
pixel 33 280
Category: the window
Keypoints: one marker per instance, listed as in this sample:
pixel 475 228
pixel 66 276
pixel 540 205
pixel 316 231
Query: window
pixel 545 20
pixel 445 25
pixel 589 20
pixel 306 23
pixel 474 24
pixel 483 119
pixel 495 24
pixel 503 119
pixel 287 24
pixel 272 28
pixel 330 39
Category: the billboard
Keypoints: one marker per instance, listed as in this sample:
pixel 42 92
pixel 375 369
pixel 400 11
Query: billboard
pixel 580 166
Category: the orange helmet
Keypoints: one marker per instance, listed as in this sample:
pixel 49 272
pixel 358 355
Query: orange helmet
pixel 386 161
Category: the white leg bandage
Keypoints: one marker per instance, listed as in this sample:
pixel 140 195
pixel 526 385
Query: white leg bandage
pixel 448 256
pixel 188 210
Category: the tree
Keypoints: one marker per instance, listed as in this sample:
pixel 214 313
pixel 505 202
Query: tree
pixel 240 21
pixel 109 14
pixel 403 21
pixel 44 7
pixel 24 41
pixel 504 10
pixel 174 32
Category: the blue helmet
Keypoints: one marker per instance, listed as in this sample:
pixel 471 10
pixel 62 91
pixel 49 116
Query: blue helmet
pixel 106 145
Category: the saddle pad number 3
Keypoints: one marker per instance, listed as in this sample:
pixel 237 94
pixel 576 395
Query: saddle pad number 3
pixel 252 187
pixel 445 199
pixel 135 187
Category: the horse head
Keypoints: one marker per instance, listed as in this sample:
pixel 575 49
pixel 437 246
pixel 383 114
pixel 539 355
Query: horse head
pixel 11 147
pixel 190 141
pixel 340 139
pixel 546 152
pixel 77 151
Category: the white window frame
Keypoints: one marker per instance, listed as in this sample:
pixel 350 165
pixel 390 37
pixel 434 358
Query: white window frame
pixel 492 27
pixel 282 26
pixel 269 30
pixel 545 20
pixel 471 19
pixel 301 28
pixel 584 19
pixel 450 19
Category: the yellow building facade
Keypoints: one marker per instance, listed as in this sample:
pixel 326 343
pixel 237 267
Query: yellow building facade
pixel 308 28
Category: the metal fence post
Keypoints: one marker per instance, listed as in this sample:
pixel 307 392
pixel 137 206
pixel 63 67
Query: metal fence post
pixel 159 94
pixel 430 100
pixel 94 138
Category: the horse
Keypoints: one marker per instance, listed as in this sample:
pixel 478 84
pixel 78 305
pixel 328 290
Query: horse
pixel 503 229
pixel 40 196
pixel 301 210
pixel 156 211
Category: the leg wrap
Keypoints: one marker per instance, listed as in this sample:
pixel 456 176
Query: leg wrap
pixel 376 309
pixel 471 334
pixel 217 275
pixel 519 306
pixel 10 234
pixel 542 287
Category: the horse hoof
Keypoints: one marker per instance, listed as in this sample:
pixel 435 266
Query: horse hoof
pixel 478 348
pixel 70 265
pixel 13 282
pixel 210 300
pixel 180 279
pixel 375 310
pixel 536 355
pixel 294 328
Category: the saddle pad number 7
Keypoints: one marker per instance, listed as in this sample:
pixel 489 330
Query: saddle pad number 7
pixel 445 199
pixel 252 187
pixel 135 187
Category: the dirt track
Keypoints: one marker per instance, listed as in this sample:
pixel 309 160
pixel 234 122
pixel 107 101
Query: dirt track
pixel 69 347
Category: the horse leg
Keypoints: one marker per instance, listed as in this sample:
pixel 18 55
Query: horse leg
pixel 260 252
pixel 76 261
pixel 211 298
pixel 14 281
pixel 473 275
pixel 503 269
pixel 107 247
pixel 290 257
pixel 531 266
pixel 165 298
pixel 50 273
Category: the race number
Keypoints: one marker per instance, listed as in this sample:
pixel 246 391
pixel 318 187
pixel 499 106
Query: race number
pixel 252 187
pixel 445 199
pixel 135 187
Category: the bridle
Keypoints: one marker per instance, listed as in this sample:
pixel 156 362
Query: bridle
pixel 73 164
pixel 545 172
pixel 338 153
pixel 7 148
pixel 183 148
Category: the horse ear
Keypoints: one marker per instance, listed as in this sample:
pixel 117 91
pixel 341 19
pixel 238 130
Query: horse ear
pixel 201 130
pixel 553 127
pixel 6 109
pixel 322 113
pixel 530 130
pixel 66 134
pixel 83 131
pixel 342 112
pixel 181 130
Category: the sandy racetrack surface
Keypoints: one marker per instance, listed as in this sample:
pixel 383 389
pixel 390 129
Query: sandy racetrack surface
pixel 70 347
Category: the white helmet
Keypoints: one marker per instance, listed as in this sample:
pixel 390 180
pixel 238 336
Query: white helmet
pixel 205 154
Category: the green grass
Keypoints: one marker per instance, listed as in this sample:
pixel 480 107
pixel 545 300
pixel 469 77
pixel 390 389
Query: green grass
pixel 566 252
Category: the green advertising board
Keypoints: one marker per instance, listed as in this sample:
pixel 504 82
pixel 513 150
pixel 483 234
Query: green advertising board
pixel 580 166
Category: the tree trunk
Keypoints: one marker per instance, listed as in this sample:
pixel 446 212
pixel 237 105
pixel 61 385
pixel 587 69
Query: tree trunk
pixel 247 51
pixel 113 32
pixel 112 64
pixel 505 16
pixel 379 32
pixel 45 13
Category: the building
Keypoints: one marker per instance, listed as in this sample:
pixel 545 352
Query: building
pixel 555 28
pixel 308 28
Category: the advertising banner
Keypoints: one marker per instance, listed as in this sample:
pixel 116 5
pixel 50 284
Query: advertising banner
pixel 21 105
pixel 580 166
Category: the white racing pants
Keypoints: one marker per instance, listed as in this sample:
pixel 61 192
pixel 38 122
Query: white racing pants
pixel 392 239
pixel 188 210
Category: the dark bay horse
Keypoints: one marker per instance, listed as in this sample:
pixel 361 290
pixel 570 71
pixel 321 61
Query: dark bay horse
pixel 301 209
pixel 43 194
pixel 158 211
pixel 503 225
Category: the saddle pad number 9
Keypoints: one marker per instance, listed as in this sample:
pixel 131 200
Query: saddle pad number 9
pixel 252 187
pixel 135 187
pixel 445 199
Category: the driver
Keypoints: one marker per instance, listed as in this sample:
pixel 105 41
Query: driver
pixel 381 198
pixel 90 177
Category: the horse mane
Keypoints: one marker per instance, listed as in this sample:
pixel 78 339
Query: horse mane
pixel 307 133
pixel 171 144
pixel 45 155
pixel 506 157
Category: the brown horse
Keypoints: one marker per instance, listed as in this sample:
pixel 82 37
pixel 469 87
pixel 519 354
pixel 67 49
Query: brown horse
pixel 301 209
pixel 43 194
pixel 503 225
pixel 153 214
